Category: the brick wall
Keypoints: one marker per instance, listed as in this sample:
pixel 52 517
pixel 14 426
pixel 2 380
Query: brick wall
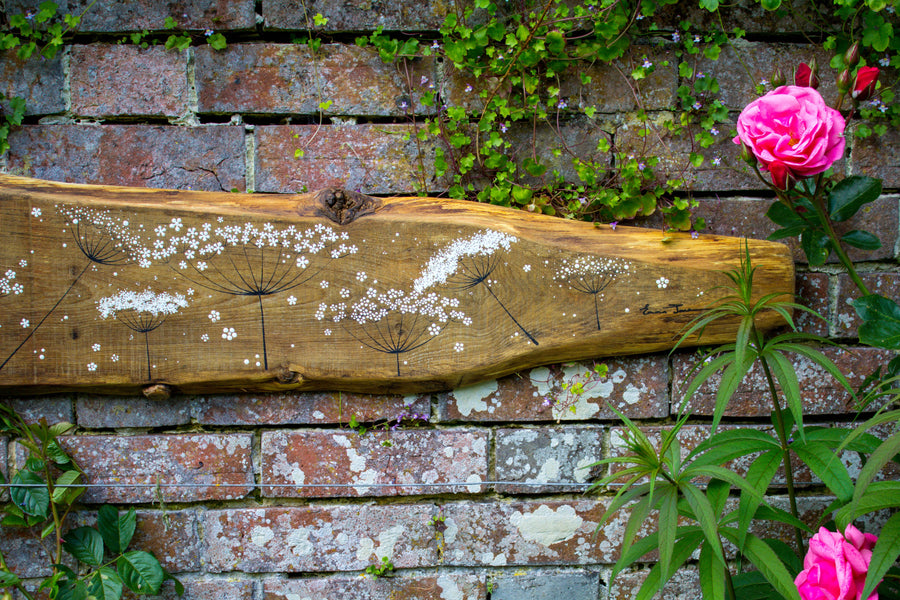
pixel 109 113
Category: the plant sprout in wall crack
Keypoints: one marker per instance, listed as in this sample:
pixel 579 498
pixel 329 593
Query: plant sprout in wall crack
pixel 142 312
pixel 467 263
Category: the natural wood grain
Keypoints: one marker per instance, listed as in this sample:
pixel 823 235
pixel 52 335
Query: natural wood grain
pixel 276 292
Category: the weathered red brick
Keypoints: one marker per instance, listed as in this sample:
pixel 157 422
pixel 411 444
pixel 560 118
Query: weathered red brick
pixel 137 15
pixel 685 583
pixel 456 585
pixel 846 321
pixel 746 217
pixel 55 409
pixel 38 81
pixel 378 457
pixel 812 292
pixel 878 156
pixel 636 386
pixel 529 533
pixel 103 83
pixel 373 159
pixel 820 392
pixel 559 454
pixel 357 16
pixel 201 158
pixel 196 588
pixel 24 553
pixel 171 536
pixel 291 79
pixel 741 67
pixel 297 408
pixel 219 465
pixel 131 411
pixel 319 538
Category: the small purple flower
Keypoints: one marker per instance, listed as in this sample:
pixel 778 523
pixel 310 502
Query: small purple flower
pixel 435 45
pixel 694 234
pixel 697 105
pixel 613 225
pixel 208 32
pixel 562 105
pixel 423 81
pixel 676 37
pixel 647 64
pixel 468 88
pixel 503 128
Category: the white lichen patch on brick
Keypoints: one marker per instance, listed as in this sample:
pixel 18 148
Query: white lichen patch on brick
pixel 549 471
pixel 473 397
pixel 632 394
pixel 473 489
pixel 547 526
pixel 298 542
pixel 488 558
pixel 449 589
pixel 261 536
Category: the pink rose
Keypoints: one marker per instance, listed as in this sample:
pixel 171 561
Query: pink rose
pixel 791 131
pixel 836 565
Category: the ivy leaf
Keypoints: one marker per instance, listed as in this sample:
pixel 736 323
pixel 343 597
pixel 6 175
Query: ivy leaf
pixel 850 194
pixel 141 572
pixel 881 321
pixel 710 5
pixel 770 4
pixel 85 544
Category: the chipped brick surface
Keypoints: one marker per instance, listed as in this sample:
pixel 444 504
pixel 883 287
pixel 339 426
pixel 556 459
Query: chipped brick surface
pixel 305 408
pixel 547 585
pixel 820 392
pixel 878 156
pixel 24 553
pixel 38 82
pixel 319 538
pixel 355 16
pixel 219 463
pixel 128 411
pixel 378 457
pixel 54 409
pixel 103 83
pixel 456 586
pixel 290 79
pixel 209 158
pixel 382 161
pixel 636 386
pixel 535 455
pixel 171 536
pixel 812 292
pixel 136 15
pixel 548 532
pixel 846 321
pixel 684 584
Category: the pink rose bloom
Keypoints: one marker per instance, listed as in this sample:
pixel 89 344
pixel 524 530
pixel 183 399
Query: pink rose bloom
pixel 836 565
pixel 791 131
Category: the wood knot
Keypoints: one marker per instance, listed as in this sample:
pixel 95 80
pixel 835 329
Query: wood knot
pixel 343 206
pixel 158 392
pixel 287 376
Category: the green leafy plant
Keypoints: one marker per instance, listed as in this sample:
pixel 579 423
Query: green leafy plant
pixel 43 494
pixel 690 490
pixel 384 569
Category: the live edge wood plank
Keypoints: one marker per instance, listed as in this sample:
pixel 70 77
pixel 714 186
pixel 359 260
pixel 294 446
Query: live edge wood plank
pixel 114 289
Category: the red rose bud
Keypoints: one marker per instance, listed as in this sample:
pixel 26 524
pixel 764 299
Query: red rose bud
pixel 851 56
pixel 747 155
pixel 864 84
pixel 778 78
pixel 843 81
pixel 781 175
pixel 807 75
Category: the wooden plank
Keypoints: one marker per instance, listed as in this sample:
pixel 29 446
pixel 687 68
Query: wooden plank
pixel 116 289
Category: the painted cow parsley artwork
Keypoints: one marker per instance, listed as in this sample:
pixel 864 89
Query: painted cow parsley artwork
pixel 103 238
pixel 395 322
pixel 141 312
pixel 591 275
pixel 468 263
pixel 250 260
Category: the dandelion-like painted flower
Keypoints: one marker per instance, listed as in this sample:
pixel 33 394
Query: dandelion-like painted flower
pixel 592 275
pixel 468 263
pixel 141 312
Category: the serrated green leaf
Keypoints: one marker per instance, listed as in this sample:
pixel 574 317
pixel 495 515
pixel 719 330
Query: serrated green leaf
pixel 786 376
pixel 850 194
pixel 861 239
pixel 686 545
pixel 712 577
pixel 879 496
pixel 105 584
pixel 61 490
pixel 759 477
pixel 881 321
pixel 668 522
pixel 706 518
pixel 116 530
pixel 32 500
pixel 8 579
pixel 141 572
pixel 821 460
pixel 876 461
pixel 85 544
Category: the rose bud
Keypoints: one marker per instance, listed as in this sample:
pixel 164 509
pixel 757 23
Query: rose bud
pixel 864 84
pixel 781 175
pixel 807 75
pixel 851 56
pixel 843 81
pixel 747 155
pixel 778 78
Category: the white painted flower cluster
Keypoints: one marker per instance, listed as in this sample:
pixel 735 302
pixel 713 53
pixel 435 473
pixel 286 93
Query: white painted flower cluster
pixel 445 263
pixel 104 237
pixel 7 286
pixel 376 306
pixel 142 302
pixel 586 266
